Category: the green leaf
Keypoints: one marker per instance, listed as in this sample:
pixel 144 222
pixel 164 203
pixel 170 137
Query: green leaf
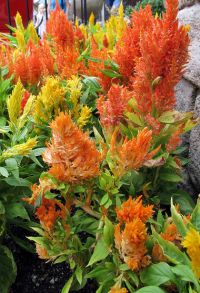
pixel 186 274
pixel 4 172
pixel 79 274
pixel 67 286
pixel 108 232
pixel 2 219
pixel 8 269
pixel 195 217
pixel 150 289
pixel 134 118
pixel 14 210
pixel 171 251
pixel 17 182
pixel 178 220
pixel 157 274
pixel 170 177
pixel 101 251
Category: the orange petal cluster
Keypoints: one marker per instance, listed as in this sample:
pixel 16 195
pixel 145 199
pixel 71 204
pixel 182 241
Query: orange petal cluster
pixel 131 244
pixel 32 66
pixel 156 53
pixel 118 290
pixel 72 155
pixel 60 28
pixel 174 140
pixel 49 212
pixel 131 240
pixel 111 110
pixel 134 208
pixel 132 154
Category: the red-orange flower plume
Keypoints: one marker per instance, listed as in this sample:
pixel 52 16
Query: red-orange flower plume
pixel 111 110
pixel 72 155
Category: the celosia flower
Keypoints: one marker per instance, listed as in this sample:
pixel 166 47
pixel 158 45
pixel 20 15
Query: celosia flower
pixel 118 290
pixel 49 100
pixel 174 140
pixel 22 149
pixel 49 212
pixel 152 55
pixel 155 125
pixel 111 110
pixel 131 244
pixel 132 154
pixel 72 155
pixel 24 100
pixel 42 252
pixel 85 115
pixel 14 102
pixel 192 244
pixel 60 28
pixel 134 208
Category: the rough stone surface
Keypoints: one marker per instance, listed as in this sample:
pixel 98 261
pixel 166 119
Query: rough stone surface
pixel 188 98
pixel 185 92
pixel 194 151
pixel 191 16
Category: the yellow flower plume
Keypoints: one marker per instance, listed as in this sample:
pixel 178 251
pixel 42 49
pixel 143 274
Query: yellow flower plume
pixel 14 102
pixel 192 244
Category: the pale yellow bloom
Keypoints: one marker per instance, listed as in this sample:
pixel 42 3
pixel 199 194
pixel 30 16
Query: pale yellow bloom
pixel 192 244
pixel 91 19
pixel 27 110
pixel 14 102
pixel 18 21
pixel 22 149
pixel 32 33
pixel 74 87
pixel 20 40
pixel 49 100
pixel 85 115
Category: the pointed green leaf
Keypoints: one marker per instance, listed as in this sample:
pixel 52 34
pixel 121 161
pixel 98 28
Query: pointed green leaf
pixel 101 251
pixel 67 286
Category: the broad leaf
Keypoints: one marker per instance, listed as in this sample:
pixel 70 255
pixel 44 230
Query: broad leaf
pixel 157 274
pixel 150 289
pixel 101 251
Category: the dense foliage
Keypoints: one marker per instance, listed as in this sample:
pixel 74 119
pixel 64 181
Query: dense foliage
pixel 90 152
pixel 157 6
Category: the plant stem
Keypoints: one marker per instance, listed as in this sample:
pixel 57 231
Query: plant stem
pixel 87 209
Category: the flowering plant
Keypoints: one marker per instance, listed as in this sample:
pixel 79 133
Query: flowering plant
pixel 98 105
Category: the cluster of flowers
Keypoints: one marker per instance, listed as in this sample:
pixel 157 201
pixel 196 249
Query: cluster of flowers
pixel 102 100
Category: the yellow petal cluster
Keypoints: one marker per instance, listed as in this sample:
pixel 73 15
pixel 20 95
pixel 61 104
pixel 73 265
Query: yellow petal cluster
pixel 85 115
pixel 49 100
pixel 32 33
pixel 14 102
pixel 22 149
pixel 192 244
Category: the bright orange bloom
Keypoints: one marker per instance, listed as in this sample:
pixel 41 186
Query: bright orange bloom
pixel 66 60
pixel 134 208
pixel 72 155
pixel 60 28
pixel 171 233
pixel 132 245
pixel 31 66
pixel 132 154
pixel 111 110
pixel 49 212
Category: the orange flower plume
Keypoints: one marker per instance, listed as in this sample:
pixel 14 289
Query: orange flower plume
pixel 134 153
pixel 60 28
pixel 154 60
pixel 31 66
pixel 134 208
pixel 72 155
pixel 111 110
pixel 49 211
pixel 131 244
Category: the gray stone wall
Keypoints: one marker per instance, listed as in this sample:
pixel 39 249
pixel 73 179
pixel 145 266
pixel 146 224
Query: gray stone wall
pixel 188 97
